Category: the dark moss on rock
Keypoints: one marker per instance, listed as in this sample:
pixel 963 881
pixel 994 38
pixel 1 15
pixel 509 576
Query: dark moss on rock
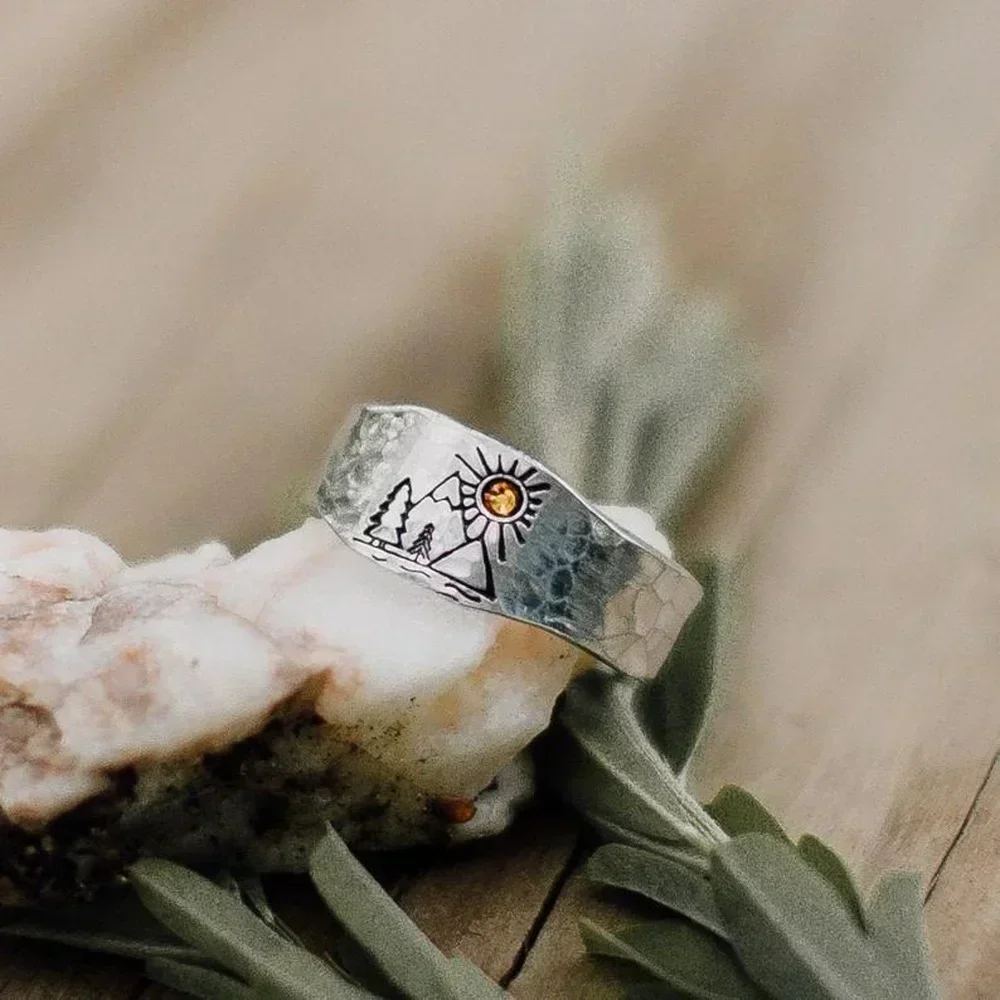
pixel 261 805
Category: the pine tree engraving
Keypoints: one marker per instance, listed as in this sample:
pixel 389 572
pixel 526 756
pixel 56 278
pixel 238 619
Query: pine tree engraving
pixel 421 548
pixel 389 521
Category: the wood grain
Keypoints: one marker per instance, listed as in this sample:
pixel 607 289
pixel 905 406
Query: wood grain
pixel 232 221
pixel 484 900
pixel 558 965
pixel 873 720
pixel 968 951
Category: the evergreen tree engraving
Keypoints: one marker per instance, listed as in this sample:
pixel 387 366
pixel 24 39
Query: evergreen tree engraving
pixel 421 548
pixel 389 521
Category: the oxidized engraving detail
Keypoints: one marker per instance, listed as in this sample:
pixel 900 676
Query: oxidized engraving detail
pixel 483 524
pixel 463 524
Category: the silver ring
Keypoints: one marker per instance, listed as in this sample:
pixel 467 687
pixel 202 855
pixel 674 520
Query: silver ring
pixel 484 524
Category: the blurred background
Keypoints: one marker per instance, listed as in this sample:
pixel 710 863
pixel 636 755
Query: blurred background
pixel 223 223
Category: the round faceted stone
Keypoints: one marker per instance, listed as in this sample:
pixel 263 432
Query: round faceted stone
pixel 503 498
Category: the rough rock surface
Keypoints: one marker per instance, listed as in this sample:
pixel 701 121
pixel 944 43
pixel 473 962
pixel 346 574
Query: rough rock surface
pixel 209 708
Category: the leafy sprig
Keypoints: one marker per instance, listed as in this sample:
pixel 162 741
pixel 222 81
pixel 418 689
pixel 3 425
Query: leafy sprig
pixel 223 942
pixel 748 914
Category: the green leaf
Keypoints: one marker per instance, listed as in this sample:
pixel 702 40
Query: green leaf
pixel 398 948
pixel 618 774
pixel 672 705
pixel 686 958
pixel 196 981
pixel 251 893
pixel 649 989
pixel 597 794
pixel 696 860
pixel 615 376
pixel 469 981
pixel 669 883
pixel 896 927
pixel 215 922
pixel 738 812
pixel 828 863
pixel 113 927
pixel 790 928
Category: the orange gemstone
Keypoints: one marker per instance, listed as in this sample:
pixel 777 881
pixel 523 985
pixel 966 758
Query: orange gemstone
pixel 454 809
pixel 502 497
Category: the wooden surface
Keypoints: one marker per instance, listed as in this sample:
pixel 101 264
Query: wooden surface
pixel 223 223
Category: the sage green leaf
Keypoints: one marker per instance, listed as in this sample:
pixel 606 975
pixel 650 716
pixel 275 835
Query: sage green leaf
pixel 597 794
pixel 650 989
pixel 354 963
pixel 738 812
pixel 468 980
pixel 104 942
pixel 216 923
pixel 673 704
pixel 397 947
pixel 666 882
pixel 829 864
pixel 113 927
pixel 206 984
pixel 626 778
pixel 896 927
pixel 790 928
pixel 696 860
pixel 623 382
pixel 252 894
pixel 689 960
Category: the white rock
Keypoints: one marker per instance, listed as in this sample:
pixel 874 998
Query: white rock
pixel 107 668
pixel 57 565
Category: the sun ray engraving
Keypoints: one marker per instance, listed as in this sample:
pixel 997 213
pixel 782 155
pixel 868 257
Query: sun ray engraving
pixel 463 524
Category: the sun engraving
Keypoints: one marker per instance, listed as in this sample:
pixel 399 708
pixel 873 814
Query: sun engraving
pixel 501 498
pixel 462 526
pixel 496 500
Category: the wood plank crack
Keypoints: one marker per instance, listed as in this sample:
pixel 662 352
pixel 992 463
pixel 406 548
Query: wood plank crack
pixel 963 828
pixel 573 861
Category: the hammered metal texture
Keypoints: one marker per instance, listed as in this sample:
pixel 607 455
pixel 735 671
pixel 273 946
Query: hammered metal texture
pixel 415 491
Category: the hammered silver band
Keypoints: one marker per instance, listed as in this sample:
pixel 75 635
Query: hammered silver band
pixel 482 523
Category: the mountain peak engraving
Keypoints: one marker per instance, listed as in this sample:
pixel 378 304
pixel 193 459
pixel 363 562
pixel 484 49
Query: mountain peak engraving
pixel 457 529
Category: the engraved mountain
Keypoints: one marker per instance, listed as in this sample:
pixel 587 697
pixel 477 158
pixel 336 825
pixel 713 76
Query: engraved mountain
pixel 458 529
pixel 442 509
pixel 432 531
